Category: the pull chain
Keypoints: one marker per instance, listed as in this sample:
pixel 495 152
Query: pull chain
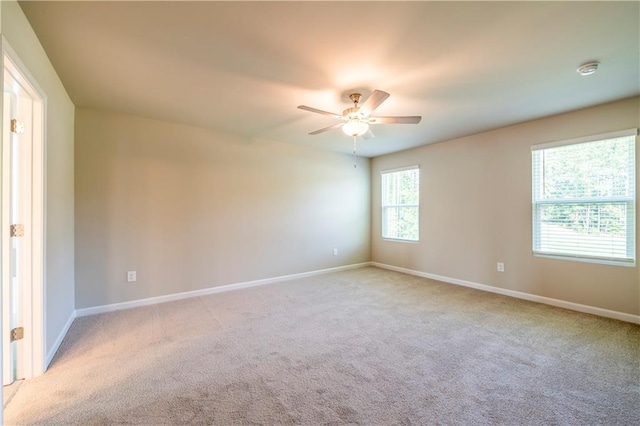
pixel 354 152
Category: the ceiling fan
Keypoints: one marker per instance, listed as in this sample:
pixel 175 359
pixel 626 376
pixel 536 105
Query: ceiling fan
pixel 355 121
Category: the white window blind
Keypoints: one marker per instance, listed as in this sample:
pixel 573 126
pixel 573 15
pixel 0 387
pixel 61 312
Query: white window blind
pixel 400 204
pixel 584 198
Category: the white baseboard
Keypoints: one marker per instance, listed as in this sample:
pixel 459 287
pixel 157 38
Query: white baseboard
pixel 59 339
pixel 518 294
pixel 211 290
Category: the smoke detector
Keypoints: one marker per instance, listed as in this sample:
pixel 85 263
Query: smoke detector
pixel 588 68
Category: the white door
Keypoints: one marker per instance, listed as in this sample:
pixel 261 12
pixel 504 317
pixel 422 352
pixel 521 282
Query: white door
pixel 22 227
pixel 16 180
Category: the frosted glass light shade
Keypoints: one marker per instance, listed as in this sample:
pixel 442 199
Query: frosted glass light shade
pixel 355 128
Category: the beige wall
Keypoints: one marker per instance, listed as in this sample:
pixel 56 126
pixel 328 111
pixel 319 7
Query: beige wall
pixel 189 208
pixel 59 227
pixel 476 211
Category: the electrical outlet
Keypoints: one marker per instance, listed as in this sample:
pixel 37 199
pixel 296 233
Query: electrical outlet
pixel 131 276
pixel 335 251
pixel 500 267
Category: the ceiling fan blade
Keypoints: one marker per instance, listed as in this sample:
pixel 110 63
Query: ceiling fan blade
pixel 373 101
pixel 335 126
pixel 319 111
pixel 369 135
pixel 395 120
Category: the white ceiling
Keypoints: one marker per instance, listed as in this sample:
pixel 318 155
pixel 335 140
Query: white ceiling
pixel 244 67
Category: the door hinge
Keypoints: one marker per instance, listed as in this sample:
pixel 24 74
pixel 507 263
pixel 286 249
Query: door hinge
pixel 17 230
pixel 17 333
pixel 17 126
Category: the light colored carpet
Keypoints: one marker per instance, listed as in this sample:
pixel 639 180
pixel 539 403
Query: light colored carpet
pixel 365 346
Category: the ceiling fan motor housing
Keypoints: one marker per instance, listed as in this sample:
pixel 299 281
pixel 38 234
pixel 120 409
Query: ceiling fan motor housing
pixel 352 113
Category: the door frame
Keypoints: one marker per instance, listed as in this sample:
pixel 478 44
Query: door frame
pixel 33 308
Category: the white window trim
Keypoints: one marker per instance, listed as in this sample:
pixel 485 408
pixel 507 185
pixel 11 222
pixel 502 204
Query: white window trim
pixel 585 139
pixel 399 240
pixel 574 257
pixel 400 169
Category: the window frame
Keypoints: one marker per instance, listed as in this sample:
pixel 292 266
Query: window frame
pixel 630 201
pixel 385 207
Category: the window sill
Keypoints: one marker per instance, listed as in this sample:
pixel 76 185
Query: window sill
pixel 587 259
pixel 399 240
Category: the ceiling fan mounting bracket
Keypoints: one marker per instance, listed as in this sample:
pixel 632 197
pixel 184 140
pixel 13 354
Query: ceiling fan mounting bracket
pixel 355 97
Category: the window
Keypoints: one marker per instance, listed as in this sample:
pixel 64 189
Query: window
pixel 400 204
pixel 584 198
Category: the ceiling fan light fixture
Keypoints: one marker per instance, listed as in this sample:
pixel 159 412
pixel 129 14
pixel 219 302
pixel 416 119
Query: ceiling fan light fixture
pixel 355 121
pixel 355 128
